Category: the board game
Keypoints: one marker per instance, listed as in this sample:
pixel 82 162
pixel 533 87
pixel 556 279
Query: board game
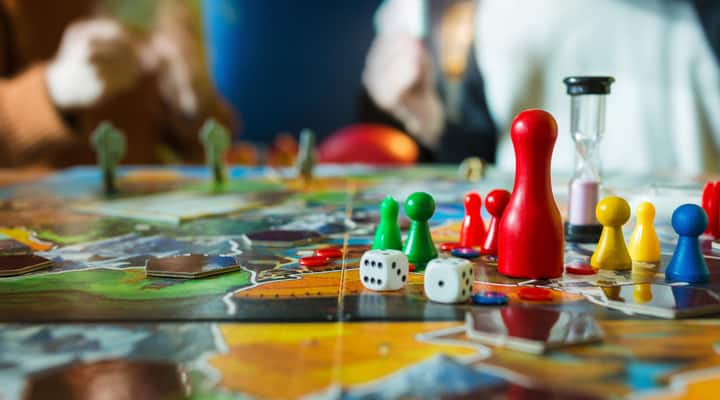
pixel 271 328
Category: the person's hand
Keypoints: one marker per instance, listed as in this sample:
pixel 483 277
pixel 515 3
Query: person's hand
pixel 399 77
pixel 96 59
pixel 179 60
pixel 175 78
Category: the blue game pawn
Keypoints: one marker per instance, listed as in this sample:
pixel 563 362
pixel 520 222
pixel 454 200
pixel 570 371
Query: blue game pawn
pixel 688 263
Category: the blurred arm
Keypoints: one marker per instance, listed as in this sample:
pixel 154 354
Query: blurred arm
pixel 30 125
pixel 472 134
pixel 29 121
pixel 184 79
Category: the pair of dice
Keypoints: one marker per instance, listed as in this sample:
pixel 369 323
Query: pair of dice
pixel 447 280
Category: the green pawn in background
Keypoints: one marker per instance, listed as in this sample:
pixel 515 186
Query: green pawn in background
pixel 419 247
pixel 387 235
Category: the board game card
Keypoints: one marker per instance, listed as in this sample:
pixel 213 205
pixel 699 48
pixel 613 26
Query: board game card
pixel 171 208
pixel 531 329
pixel 190 266
pixel 664 301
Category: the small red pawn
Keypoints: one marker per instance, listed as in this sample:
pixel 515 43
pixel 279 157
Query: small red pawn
pixel 473 226
pixel 495 203
pixel 530 244
pixel 711 205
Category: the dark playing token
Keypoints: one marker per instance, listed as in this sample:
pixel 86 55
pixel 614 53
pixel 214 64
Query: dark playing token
pixel 190 266
pixel 465 252
pixel 22 264
pixel 580 269
pixel 283 238
pixel 329 252
pixel 535 294
pixel 314 261
pixel 490 298
pixel 449 246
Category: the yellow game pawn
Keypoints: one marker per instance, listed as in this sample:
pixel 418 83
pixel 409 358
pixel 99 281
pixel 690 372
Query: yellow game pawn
pixel 611 253
pixel 644 245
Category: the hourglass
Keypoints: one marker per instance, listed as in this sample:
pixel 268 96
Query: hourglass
pixel 587 125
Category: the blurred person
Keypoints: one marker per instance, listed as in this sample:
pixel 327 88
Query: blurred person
pixel 66 66
pixel 663 113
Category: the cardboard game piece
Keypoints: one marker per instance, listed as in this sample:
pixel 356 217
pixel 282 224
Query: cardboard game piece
pixel 531 329
pixel 14 265
pixel 172 208
pixel 283 238
pixel 190 266
pixel 664 301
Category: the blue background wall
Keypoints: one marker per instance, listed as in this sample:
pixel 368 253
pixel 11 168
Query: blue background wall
pixel 289 64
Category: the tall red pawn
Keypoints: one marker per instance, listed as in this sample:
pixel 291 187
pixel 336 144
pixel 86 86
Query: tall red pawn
pixel 495 203
pixel 530 244
pixel 472 232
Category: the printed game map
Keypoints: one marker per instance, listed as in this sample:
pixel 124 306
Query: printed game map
pixel 276 329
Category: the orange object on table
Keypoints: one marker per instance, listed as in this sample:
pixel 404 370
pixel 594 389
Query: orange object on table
pixel 373 144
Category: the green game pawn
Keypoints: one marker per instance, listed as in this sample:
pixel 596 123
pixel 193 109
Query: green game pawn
pixel 419 247
pixel 387 235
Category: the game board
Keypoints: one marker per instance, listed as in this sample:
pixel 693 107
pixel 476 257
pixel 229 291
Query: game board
pixel 275 329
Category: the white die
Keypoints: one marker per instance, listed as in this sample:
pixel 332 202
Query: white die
pixel 448 280
pixel 384 269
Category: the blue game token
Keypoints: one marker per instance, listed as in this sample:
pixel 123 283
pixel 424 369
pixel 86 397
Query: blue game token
pixel 465 252
pixel 490 298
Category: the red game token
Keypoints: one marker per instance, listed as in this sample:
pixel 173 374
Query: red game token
pixel 411 267
pixel 329 252
pixel 314 261
pixel 449 246
pixel 535 294
pixel 580 269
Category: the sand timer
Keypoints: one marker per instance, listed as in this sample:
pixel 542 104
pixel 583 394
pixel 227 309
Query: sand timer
pixel 587 124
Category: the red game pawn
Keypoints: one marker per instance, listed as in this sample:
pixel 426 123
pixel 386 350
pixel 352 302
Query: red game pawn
pixel 530 244
pixel 473 226
pixel 711 205
pixel 495 203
